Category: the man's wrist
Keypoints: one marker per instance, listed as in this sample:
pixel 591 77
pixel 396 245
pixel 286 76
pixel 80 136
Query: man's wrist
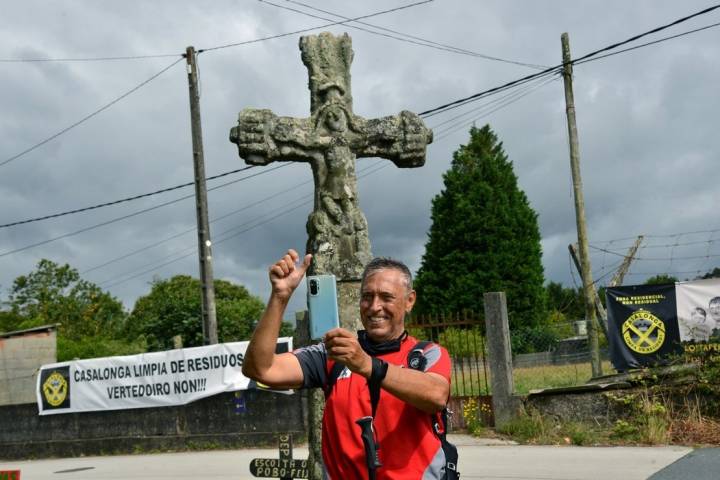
pixel 378 371
pixel 281 296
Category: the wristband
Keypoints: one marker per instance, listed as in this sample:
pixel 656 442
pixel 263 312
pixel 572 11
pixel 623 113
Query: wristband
pixel 378 372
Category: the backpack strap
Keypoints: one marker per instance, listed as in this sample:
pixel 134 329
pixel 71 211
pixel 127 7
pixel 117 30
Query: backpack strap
pixel 335 372
pixel 416 360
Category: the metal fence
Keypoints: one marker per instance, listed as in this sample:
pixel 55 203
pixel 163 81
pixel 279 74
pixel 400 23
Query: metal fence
pixel 546 356
pixel 552 355
pixel 461 335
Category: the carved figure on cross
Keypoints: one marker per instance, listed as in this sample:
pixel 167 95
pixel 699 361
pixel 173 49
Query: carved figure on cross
pixel 330 140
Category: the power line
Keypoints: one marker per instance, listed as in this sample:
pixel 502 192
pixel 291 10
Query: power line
pixel 88 59
pixel 511 98
pixel 486 93
pixel 665 235
pixel 477 109
pixel 219 238
pixel 88 117
pixel 246 42
pixel 134 214
pixel 184 232
pixel 584 58
pixel 706 27
pixel 122 200
pixel 409 38
pixel 365 172
pixel 222 237
pixel 655 259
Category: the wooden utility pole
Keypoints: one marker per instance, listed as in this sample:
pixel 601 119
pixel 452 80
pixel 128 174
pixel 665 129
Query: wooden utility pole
pixel 580 210
pixel 209 321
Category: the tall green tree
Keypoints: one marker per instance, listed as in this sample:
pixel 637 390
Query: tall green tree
pixel 173 307
pixel 91 321
pixel 484 237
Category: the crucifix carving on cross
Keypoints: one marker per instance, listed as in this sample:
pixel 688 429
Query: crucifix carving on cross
pixel 330 140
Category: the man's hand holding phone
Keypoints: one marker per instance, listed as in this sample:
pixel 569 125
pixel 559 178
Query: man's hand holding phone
pixel 344 347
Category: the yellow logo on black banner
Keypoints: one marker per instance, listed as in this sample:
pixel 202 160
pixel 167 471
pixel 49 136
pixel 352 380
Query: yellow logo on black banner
pixel 55 389
pixel 643 332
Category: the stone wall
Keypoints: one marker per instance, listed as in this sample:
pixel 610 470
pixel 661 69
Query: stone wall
pixel 580 405
pixel 21 355
pixel 214 422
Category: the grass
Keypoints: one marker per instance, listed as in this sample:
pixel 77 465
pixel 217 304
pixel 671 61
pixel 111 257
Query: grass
pixel 551 376
pixel 469 380
pixel 533 428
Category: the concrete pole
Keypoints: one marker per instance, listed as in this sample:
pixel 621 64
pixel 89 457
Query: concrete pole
pixel 209 320
pixel 580 211
pixel 497 332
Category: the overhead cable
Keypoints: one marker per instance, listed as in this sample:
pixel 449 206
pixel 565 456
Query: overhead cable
pixel 194 229
pixel 403 37
pixel 223 237
pixel 88 117
pixel 88 59
pixel 509 100
pixel 122 200
pixel 477 96
pixel 341 22
pixel 134 214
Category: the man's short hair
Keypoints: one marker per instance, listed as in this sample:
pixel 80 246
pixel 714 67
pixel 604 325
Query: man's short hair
pixel 382 263
pixel 699 310
pixel 714 300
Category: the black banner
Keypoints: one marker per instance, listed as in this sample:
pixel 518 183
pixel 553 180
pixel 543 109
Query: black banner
pixel 642 326
pixel 55 388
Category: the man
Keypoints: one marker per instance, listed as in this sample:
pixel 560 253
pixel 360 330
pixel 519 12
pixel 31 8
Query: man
pixel 409 398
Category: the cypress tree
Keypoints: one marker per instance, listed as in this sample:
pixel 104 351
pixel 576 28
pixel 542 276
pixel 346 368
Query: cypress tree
pixel 484 237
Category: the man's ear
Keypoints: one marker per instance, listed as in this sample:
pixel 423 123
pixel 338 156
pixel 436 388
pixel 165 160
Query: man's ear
pixel 410 301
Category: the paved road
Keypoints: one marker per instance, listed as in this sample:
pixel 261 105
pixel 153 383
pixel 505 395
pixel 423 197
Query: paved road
pixel 486 460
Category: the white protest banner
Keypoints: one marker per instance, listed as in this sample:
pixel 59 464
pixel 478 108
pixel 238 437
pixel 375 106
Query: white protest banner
pixel 157 379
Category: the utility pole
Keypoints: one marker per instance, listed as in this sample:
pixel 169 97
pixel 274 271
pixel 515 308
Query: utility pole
pixel 209 320
pixel 580 211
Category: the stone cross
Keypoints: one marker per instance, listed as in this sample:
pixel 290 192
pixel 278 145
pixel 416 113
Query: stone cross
pixel 330 140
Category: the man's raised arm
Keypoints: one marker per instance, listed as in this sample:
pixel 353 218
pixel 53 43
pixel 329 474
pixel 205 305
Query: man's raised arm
pixel 261 363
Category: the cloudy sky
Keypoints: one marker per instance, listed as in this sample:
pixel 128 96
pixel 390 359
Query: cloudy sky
pixel 646 119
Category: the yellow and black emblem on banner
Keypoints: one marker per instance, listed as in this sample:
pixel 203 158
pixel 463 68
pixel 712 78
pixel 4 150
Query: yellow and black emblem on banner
pixel 642 326
pixel 643 332
pixel 55 388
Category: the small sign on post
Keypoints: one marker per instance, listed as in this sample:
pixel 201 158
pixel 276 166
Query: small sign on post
pixel 284 468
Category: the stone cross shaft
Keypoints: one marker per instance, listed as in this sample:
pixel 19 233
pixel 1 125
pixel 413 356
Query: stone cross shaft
pixel 330 140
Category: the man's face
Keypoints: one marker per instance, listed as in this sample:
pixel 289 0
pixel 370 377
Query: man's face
pixel 714 309
pixel 384 301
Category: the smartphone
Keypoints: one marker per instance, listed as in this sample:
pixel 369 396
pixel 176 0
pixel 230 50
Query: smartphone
pixel 322 304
